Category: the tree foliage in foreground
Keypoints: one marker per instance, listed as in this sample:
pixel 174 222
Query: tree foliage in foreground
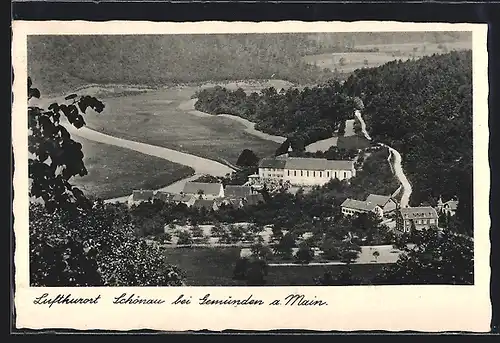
pixel 438 257
pixel 74 242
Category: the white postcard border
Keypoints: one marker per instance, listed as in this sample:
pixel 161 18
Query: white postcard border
pixel 392 308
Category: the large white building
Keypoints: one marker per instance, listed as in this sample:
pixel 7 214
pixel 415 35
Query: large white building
pixel 301 171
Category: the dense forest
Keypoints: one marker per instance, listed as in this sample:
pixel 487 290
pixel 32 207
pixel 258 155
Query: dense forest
pixel 303 116
pixel 423 109
pixel 63 62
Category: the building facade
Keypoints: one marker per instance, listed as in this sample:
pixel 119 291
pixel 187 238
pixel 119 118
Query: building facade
pixel 300 171
pixel 416 218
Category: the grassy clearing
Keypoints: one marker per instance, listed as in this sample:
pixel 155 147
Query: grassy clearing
pixel 114 172
pixel 214 267
pixel 349 61
pixel 154 118
pixel 206 266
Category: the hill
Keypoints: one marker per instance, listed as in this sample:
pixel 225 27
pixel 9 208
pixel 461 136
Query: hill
pixel 423 108
pixel 63 62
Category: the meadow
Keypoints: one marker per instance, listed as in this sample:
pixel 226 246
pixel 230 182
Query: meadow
pixel 115 172
pixel 347 62
pixel 155 118
pixel 214 267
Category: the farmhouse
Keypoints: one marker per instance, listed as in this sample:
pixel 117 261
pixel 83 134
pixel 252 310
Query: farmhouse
pixel 385 202
pixel 237 192
pixel 163 196
pixel 141 195
pixel 204 190
pixel 206 204
pixel 301 171
pixel 234 202
pixel 351 206
pixel 417 218
pixel 185 199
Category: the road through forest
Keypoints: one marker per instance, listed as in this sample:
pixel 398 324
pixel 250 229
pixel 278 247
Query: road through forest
pixel 396 166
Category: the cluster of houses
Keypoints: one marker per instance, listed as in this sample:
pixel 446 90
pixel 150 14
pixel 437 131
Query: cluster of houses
pixel 210 196
pixel 407 218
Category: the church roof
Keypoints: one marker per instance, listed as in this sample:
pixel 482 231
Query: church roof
pixel 276 163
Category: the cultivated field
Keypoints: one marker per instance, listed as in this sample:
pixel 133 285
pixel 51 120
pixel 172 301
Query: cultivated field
pixel 155 118
pixel 350 61
pixel 114 171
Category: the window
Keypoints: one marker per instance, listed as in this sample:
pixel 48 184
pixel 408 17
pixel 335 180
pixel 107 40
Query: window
pixel 301 173
pixel 288 173
pixel 345 175
pixel 335 174
pixel 320 174
pixel 294 173
pixel 307 173
pixel 314 174
pixel 327 174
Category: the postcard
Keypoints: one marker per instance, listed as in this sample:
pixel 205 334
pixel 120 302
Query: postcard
pixel 252 176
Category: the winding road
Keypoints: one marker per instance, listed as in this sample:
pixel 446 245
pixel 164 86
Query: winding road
pixel 396 165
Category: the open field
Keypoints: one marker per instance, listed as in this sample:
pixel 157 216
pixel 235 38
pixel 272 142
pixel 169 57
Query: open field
pixel 155 118
pixel 349 61
pixel 214 267
pixel 114 171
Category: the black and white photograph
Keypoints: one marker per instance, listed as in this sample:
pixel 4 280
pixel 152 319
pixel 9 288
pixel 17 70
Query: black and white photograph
pixel 273 159
pixel 269 159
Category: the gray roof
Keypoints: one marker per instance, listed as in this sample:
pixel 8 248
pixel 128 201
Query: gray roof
pixel 206 188
pixel 307 163
pixel 276 163
pixel 138 195
pixel 208 204
pixel 232 191
pixel 182 197
pixel 164 196
pixel 359 205
pixel 339 165
pixel 380 200
pixel 424 212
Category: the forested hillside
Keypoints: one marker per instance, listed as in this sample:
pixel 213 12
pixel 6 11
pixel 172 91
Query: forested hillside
pixel 59 62
pixel 64 62
pixel 304 116
pixel 423 109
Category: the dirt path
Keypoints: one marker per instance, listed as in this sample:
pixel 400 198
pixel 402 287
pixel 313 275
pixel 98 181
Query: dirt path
pixel 398 170
pixel 396 166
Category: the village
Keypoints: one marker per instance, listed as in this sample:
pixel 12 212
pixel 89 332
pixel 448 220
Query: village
pixel 288 174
